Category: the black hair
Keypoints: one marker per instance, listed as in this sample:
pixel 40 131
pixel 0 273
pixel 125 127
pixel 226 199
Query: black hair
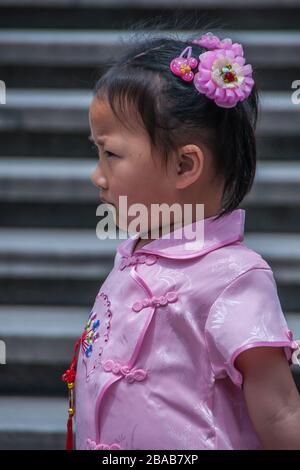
pixel 174 113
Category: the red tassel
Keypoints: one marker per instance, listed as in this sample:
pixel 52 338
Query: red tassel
pixel 69 442
pixel 69 378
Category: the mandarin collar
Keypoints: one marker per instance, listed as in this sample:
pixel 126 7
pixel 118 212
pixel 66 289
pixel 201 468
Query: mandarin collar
pixel 216 233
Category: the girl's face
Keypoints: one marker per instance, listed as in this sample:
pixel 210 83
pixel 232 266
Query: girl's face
pixel 126 167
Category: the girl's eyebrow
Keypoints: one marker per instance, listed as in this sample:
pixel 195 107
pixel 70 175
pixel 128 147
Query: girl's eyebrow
pixel 99 140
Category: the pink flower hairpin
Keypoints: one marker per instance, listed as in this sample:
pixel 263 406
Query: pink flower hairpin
pixel 208 40
pixel 211 42
pixel 222 73
pixel 223 77
pixel 182 67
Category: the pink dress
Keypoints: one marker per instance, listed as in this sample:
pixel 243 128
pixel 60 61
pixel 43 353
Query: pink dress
pixel 156 366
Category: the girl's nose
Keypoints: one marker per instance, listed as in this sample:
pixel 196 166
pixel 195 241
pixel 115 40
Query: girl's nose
pixel 98 179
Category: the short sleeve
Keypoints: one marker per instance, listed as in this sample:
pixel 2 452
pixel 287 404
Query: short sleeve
pixel 245 315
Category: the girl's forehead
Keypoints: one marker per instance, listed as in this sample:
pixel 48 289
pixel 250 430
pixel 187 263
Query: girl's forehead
pixel 101 114
pixel 103 121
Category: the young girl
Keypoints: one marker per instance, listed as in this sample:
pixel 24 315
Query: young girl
pixel 186 346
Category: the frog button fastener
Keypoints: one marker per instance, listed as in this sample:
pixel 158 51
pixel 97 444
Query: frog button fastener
pixel 130 375
pixel 161 301
pixel 92 445
pixel 137 259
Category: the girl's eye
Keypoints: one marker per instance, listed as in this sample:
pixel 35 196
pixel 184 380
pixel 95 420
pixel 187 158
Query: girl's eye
pixel 109 154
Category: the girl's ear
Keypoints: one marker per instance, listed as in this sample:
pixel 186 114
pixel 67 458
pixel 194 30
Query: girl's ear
pixel 189 165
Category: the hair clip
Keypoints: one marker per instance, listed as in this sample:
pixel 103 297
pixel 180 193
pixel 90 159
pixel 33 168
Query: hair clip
pixel 211 42
pixel 208 40
pixel 222 74
pixel 182 67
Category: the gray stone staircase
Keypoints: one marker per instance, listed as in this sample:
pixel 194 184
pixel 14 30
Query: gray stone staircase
pixel 51 263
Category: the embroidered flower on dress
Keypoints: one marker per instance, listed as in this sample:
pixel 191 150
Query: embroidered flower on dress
pixel 90 334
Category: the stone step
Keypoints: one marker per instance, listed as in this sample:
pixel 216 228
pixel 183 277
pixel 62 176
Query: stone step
pixel 96 48
pixel 271 219
pixel 282 252
pixel 44 179
pixel 76 254
pixel 272 14
pixel 276 183
pixel 280 249
pixel 60 266
pixel 48 110
pixel 39 344
pixel 38 334
pixel 53 266
pixel 58 111
pixel 36 423
pixel 271 206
